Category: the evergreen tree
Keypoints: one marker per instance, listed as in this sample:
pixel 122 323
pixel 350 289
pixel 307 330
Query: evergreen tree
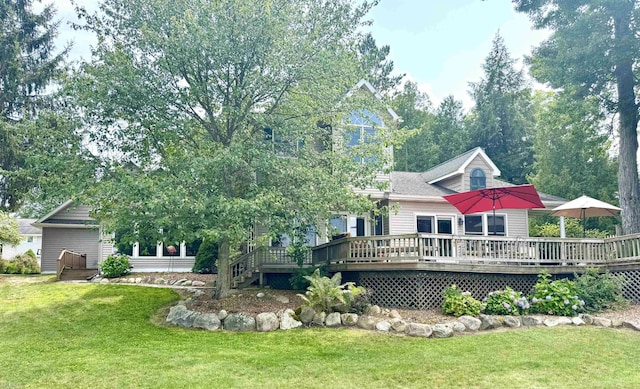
pixel 449 130
pixel 501 119
pixel 375 66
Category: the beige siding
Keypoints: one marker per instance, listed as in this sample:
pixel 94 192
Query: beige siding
pixel 73 212
pixel 106 246
pixel 162 264
pixel 517 222
pixel 80 240
pixel 453 183
pixel 477 162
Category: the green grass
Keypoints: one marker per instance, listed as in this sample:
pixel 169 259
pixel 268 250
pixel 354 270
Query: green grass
pixel 88 335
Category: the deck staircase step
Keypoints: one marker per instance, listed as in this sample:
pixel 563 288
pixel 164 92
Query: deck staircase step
pixel 77 274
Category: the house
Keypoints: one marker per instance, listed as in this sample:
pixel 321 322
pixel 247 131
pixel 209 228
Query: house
pixel 32 240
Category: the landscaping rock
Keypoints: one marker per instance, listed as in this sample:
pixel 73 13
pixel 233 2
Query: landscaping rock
pixel 601 322
pixel 196 283
pixel 394 314
pixel 511 322
pixel 160 281
pixel 318 319
pixel 104 281
pixel 399 325
pixel 267 321
pixel 577 321
pixel 222 314
pixel 456 326
pixel 131 280
pixel 588 319
pixel 180 282
pixel 616 323
pixel 282 299
pixel 442 331
pixel 417 329
pixel 471 323
pixel 170 282
pixel 239 322
pixel 531 321
pixel 198 293
pixel 349 319
pixel 634 325
pixel 488 322
pixel 374 310
pixel 138 280
pixel 306 315
pixel 181 316
pixel 333 320
pixel 557 321
pixel 383 326
pixel 207 321
pixel 366 323
pixel 287 321
pixel 260 295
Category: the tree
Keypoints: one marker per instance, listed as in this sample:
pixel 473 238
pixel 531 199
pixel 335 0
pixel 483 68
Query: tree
pixel 376 67
pixel 594 49
pixel 216 116
pixel 29 64
pixel 501 118
pixel 414 108
pixel 449 130
pixel 9 233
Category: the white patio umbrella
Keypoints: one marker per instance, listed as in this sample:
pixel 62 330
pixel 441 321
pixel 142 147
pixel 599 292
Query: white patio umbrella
pixel 585 206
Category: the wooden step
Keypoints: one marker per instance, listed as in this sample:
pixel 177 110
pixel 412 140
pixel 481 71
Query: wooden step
pixel 77 274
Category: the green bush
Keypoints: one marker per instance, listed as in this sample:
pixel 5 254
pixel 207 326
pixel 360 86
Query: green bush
pixel 559 297
pixel 327 295
pixel 298 280
pixel 206 257
pixel 600 291
pixel 506 302
pixel 26 263
pixel 458 303
pixel 116 265
pixel 31 254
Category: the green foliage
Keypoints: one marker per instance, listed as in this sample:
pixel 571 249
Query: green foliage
pixel 600 291
pixel 559 297
pixel 20 264
pixel 206 257
pixel 298 279
pixel 506 302
pixel 326 294
pixel 9 233
pixel 459 303
pixel 29 253
pixel 549 227
pixel 116 265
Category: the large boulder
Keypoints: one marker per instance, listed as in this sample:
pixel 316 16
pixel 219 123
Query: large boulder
pixel 333 320
pixel 442 331
pixel 470 322
pixel 601 322
pixel 195 283
pixel 489 322
pixel 306 315
pixel 588 319
pixel 531 321
pixel 374 310
pixel 349 319
pixel 267 321
pixel 222 314
pixel 577 321
pixel 239 322
pixel 383 326
pixel 394 314
pixel 511 322
pixel 207 321
pixel 456 326
pixel 366 323
pixel 417 329
pixel 181 316
pixel 399 325
pixel 287 320
pixel 634 325
pixel 318 319
pixel 557 321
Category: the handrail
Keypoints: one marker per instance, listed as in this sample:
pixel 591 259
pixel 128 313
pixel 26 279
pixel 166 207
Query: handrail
pixel 70 259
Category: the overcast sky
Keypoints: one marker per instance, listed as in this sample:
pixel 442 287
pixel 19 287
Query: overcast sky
pixel 440 44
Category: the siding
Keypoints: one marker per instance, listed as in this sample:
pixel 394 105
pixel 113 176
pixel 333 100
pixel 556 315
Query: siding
pixel 106 246
pixel 162 264
pixel 477 162
pixel 80 240
pixel 73 212
pixel 453 183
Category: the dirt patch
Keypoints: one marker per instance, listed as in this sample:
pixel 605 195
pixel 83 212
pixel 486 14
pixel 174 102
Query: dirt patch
pixel 247 301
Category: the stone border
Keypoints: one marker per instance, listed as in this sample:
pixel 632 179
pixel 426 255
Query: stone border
pixel 148 280
pixel 286 319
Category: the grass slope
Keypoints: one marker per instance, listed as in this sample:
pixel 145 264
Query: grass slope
pixel 86 335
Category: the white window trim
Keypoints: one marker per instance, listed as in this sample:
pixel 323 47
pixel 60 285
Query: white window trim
pixel 452 216
pixel 485 223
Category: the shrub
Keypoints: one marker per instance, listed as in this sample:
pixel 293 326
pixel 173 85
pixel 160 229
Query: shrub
pixel 326 294
pixel 600 291
pixel 458 303
pixel 31 254
pixel 116 265
pixel 298 278
pixel 206 258
pixel 506 302
pixel 559 297
pixel 20 264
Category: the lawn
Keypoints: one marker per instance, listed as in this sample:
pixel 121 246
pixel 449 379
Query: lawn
pixel 90 335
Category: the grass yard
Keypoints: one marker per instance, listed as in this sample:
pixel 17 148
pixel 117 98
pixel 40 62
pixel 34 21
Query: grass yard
pixel 89 335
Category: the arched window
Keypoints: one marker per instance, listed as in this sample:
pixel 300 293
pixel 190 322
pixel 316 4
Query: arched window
pixel 477 180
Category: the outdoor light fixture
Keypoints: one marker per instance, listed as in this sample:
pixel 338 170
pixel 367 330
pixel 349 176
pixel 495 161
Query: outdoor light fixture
pixel 460 221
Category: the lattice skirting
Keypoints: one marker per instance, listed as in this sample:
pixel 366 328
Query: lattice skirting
pixel 423 290
pixel 278 280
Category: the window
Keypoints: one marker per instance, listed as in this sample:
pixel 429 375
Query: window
pixel 283 145
pixel 434 224
pixel 498 227
pixel 424 224
pixel 478 180
pixel 29 239
pixel 339 224
pixel 361 130
pixel 473 225
pixel 378 228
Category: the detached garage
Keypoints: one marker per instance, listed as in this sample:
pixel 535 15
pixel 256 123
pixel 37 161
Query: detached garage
pixel 70 227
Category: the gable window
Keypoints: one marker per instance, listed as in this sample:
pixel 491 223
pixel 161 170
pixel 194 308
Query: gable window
pixel 361 130
pixel 477 180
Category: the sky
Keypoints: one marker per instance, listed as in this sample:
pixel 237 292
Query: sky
pixel 439 44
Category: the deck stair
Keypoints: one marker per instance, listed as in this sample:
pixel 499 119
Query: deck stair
pixel 77 274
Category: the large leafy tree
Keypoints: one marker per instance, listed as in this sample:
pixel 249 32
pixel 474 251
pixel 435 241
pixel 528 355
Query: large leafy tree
pixel 213 116
pixel 28 64
pixel 595 49
pixel 9 233
pixel 501 118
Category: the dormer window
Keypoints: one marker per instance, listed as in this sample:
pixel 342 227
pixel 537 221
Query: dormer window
pixel 478 180
pixel 361 129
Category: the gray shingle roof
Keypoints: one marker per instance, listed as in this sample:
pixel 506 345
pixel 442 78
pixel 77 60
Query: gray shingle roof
pixel 25 227
pixel 415 184
pixel 543 196
pixel 448 167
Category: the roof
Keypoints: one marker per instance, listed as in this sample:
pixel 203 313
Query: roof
pixel 456 165
pixel 364 84
pixel 543 196
pixel 25 227
pixel 415 184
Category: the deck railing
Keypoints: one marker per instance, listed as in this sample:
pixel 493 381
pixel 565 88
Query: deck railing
pixel 246 264
pixel 70 260
pixel 479 249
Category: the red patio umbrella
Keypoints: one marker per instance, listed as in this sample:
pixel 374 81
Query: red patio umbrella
pixel 509 197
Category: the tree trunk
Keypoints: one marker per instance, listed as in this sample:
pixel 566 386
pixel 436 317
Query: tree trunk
pixel 223 282
pixel 628 186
